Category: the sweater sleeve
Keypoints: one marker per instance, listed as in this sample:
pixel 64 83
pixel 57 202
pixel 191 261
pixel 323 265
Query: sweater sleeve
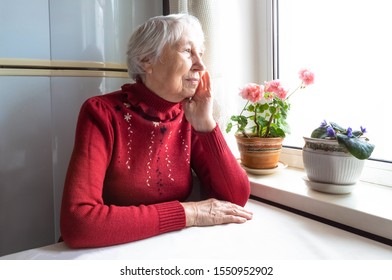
pixel 217 168
pixel 85 220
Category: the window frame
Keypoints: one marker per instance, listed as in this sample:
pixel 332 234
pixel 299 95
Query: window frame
pixel 376 171
pixel 366 211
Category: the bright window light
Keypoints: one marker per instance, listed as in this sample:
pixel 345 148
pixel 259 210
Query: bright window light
pixel 347 44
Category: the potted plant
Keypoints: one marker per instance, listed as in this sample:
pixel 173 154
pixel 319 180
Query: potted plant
pixel 261 124
pixel 335 155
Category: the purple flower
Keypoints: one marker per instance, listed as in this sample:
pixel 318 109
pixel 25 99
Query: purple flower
pixel 363 129
pixel 331 132
pixel 349 132
pixel 324 123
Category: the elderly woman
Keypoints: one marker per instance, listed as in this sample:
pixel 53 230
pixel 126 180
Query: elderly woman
pixel 130 172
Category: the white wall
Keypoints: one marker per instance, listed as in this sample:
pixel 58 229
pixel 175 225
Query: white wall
pixel 38 112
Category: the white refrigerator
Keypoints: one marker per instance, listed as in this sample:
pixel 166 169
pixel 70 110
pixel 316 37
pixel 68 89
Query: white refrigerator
pixel 54 54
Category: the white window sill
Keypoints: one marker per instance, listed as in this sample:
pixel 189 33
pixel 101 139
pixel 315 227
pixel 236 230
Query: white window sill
pixel 366 211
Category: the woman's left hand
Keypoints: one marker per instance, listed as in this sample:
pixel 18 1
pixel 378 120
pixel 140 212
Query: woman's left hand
pixel 198 109
pixel 214 212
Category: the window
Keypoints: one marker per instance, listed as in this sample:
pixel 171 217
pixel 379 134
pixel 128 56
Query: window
pixel 346 44
pixel 244 50
pixel 338 40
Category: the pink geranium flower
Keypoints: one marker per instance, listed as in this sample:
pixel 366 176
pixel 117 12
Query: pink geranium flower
pixel 281 93
pixel 276 87
pixel 306 76
pixel 252 92
pixel 272 86
pixel 267 107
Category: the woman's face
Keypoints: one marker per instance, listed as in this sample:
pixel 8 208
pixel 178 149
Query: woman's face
pixel 176 74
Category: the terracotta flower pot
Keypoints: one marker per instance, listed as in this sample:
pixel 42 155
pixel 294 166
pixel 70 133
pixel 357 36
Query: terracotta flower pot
pixel 259 153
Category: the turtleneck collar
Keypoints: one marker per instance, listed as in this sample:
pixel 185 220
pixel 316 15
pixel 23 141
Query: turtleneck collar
pixel 151 105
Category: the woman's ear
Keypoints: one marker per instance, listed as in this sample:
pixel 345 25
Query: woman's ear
pixel 147 65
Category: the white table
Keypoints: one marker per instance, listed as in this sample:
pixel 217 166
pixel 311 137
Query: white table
pixel 273 234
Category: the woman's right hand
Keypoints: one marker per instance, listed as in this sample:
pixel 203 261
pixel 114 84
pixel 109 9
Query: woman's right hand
pixel 214 212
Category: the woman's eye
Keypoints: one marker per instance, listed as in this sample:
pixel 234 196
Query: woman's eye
pixel 188 50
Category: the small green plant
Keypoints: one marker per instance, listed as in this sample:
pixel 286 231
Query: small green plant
pixel 352 140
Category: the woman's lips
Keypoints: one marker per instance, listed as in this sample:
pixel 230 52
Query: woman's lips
pixel 194 81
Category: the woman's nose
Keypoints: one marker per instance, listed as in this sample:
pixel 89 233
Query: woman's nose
pixel 198 64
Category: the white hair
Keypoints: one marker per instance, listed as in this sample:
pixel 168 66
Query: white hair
pixel 149 39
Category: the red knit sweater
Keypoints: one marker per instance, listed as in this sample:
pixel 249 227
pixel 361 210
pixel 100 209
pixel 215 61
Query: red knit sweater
pixel 131 165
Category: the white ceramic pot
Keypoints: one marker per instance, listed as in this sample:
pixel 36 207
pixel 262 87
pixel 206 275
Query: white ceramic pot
pixel 325 161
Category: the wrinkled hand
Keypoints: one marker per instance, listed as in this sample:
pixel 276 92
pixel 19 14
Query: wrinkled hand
pixel 198 109
pixel 214 212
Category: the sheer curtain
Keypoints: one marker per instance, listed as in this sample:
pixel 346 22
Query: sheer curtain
pixel 235 49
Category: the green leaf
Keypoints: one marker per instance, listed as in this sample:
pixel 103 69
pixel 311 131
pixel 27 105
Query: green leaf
pixel 357 147
pixel 337 127
pixel 284 126
pixel 263 107
pixel 229 127
pixel 242 123
pixel 272 110
pixel 357 133
pixel 261 121
pixel 320 132
pixel 275 131
pixel 251 108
